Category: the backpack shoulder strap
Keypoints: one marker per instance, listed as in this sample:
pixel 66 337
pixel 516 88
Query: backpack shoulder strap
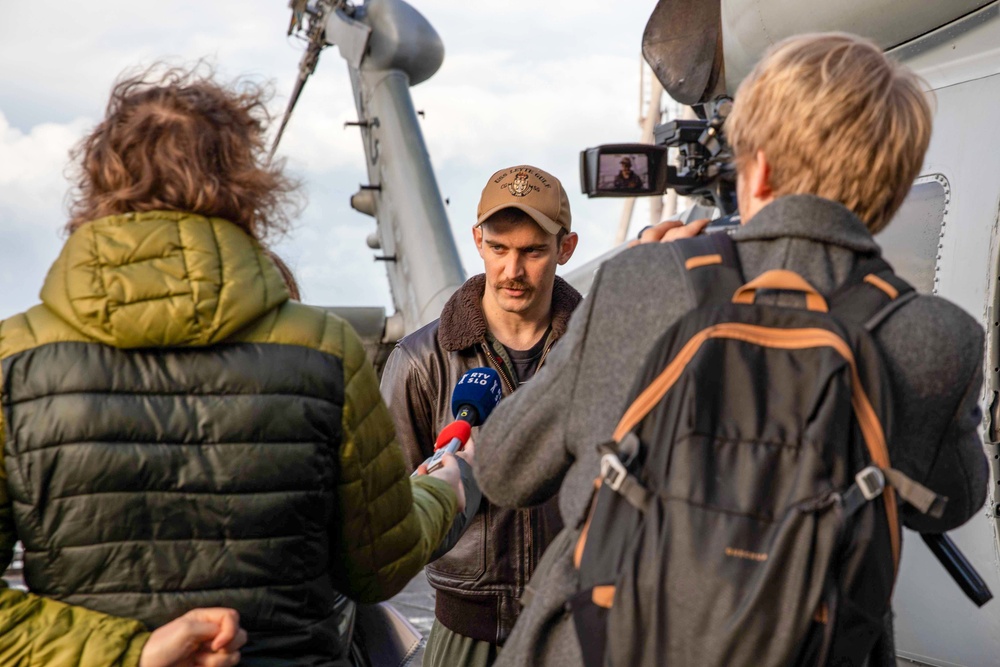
pixel 712 267
pixel 871 293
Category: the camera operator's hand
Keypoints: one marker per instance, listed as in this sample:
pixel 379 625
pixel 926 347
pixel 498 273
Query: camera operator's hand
pixel 205 637
pixel 670 230
pixel 449 472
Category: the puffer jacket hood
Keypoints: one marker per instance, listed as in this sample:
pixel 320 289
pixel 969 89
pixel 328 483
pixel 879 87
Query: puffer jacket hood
pixel 161 279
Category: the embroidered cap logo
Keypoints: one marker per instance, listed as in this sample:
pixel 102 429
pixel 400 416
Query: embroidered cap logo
pixel 519 187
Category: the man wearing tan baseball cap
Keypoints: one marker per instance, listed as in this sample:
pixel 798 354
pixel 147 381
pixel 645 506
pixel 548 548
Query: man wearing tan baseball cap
pixel 508 318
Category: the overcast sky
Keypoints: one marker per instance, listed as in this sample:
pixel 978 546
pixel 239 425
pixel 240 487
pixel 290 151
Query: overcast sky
pixel 521 82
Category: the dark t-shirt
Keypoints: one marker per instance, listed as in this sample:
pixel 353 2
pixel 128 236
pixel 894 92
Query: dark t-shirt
pixel 632 182
pixel 526 361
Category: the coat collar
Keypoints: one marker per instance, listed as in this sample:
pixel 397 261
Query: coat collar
pixel 812 218
pixel 463 324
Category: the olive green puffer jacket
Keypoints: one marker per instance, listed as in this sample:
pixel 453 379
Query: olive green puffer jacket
pixel 177 433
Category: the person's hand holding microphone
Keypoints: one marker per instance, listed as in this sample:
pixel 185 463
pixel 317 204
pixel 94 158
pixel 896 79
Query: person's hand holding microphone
pixel 473 399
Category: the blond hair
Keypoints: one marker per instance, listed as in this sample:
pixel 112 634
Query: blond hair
pixel 836 118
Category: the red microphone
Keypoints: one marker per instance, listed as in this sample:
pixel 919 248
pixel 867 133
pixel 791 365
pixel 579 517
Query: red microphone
pixel 451 439
pixel 457 430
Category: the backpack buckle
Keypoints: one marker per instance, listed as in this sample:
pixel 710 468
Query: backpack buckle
pixel 871 482
pixel 613 471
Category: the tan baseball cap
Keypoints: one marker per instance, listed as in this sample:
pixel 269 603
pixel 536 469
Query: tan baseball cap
pixel 538 193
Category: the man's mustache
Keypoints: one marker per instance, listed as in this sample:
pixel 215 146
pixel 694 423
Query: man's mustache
pixel 514 284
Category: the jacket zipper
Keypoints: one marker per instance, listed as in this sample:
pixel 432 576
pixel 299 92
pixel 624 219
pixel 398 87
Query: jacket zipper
pixel 500 368
pixel 545 353
pixel 527 525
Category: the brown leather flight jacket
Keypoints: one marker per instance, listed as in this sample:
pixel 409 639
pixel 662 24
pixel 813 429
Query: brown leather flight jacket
pixel 481 579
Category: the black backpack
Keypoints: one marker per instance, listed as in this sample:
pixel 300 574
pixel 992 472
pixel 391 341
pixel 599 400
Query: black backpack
pixel 746 511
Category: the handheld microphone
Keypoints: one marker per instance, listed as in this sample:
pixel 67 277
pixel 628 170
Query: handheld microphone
pixel 475 395
pixel 478 391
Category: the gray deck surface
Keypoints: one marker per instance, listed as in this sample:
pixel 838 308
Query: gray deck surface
pixel 416 602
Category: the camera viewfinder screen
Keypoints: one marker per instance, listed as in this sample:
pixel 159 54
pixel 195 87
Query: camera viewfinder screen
pixel 623 172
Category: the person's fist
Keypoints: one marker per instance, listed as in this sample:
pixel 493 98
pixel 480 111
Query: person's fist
pixel 208 637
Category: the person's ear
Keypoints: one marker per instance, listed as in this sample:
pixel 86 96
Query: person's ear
pixel 760 184
pixel 567 247
pixel 477 237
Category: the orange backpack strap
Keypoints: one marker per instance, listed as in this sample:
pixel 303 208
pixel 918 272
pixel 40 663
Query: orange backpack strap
pixel 871 293
pixel 780 279
pixel 711 265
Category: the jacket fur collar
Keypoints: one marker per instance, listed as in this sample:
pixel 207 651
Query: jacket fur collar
pixel 463 324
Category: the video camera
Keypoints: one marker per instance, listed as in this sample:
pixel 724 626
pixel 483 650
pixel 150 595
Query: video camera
pixel 691 157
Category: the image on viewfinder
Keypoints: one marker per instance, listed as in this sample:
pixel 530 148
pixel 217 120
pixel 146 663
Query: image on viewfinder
pixel 623 171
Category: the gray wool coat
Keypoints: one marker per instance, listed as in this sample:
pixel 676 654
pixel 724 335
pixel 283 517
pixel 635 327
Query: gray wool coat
pixel 543 439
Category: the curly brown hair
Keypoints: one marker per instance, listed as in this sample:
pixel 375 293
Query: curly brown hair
pixel 175 139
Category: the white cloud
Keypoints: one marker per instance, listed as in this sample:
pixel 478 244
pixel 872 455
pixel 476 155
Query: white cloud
pixel 32 192
pixel 518 84
pixel 31 165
